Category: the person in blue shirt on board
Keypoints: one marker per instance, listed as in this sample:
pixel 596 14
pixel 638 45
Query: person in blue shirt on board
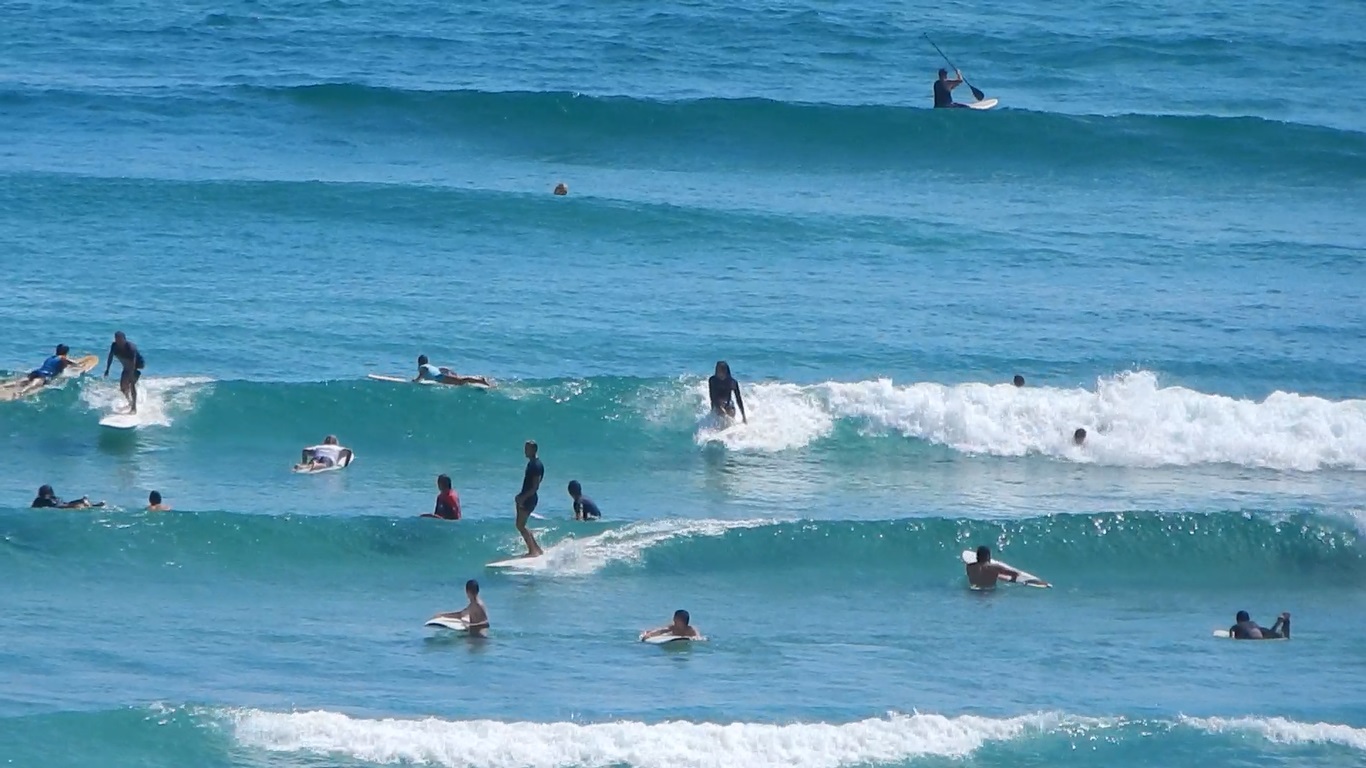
pixel 43 375
pixel 428 372
pixel 584 508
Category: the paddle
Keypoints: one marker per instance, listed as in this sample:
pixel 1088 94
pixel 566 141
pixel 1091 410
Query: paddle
pixel 976 93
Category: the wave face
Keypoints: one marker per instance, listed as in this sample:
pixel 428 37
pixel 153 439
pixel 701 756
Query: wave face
pixel 1138 549
pixel 698 135
pixel 1131 419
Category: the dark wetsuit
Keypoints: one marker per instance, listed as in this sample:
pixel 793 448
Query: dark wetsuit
pixel 943 97
pixel 1249 630
pixel 447 506
pixel 535 471
pixel 722 391
pixel 585 509
pixel 46 501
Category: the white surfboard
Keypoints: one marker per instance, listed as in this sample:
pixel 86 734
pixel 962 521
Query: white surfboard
pixel 423 382
pixel 448 622
pixel 537 563
pixel 121 421
pixel 667 639
pixel 983 104
pixel 301 469
pixel 1227 635
pixel 1026 579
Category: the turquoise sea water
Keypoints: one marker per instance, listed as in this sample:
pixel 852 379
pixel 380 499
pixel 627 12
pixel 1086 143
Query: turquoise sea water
pixel 1160 227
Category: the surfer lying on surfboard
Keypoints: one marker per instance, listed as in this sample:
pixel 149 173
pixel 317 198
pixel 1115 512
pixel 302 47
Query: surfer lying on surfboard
pixel 681 627
pixel 1245 628
pixel 475 615
pixel 329 454
pixel 984 573
pixel 428 372
pixel 48 498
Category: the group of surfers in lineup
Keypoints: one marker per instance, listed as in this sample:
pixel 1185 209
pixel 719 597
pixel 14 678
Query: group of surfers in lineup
pixel 726 402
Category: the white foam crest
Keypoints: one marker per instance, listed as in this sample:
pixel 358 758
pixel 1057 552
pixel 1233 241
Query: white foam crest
pixel 494 744
pixel 1130 419
pixel 789 416
pixel 628 544
pixel 1282 731
pixel 159 399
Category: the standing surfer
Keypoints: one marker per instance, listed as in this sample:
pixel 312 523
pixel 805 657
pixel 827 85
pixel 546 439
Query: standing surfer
pixel 725 392
pixel 526 500
pixel 131 359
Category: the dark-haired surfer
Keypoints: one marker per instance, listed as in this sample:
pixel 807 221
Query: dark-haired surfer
pixel 1245 628
pixel 943 87
pixel 724 391
pixel 428 372
pixel 984 573
pixel 131 359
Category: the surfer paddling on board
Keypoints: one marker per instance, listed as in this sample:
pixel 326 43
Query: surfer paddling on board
pixel 475 615
pixel 47 498
pixel 724 391
pixel 428 372
pixel 943 90
pixel 681 627
pixel 126 352
pixel 984 573
pixel 447 500
pixel 51 368
pixel 1245 628
pixel 526 500
pixel 329 454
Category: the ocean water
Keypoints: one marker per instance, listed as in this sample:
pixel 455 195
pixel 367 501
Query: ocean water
pixel 1160 228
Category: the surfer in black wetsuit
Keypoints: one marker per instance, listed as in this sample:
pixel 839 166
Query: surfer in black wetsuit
pixel 131 360
pixel 1247 629
pixel 725 392
pixel 526 500
pixel 943 87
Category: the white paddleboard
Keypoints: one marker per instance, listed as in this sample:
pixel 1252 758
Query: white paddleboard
pixel 448 622
pixel 983 104
pixel 121 421
pixel 300 469
pixel 1026 579
pixel 666 639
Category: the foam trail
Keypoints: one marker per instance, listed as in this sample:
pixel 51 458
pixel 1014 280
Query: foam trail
pixel 1130 418
pixel 1282 731
pixel 493 744
pixel 159 399
pixel 628 544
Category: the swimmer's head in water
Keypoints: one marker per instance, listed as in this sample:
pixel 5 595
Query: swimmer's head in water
pixel 1018 380
pixel 984 554
pixel 421 359
pixel 62 349
pixel 1242 616
pixel 561 189
pixel 1079 436
pixel 330 440
pixel 530 449
pixel 154 498
pixel 723 369
pixel 681 616
pixel 471 587
pixel 575 489
pixel 443 482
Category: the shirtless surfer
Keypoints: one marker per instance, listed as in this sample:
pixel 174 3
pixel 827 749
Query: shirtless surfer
pixel 984 573
pixel 131 359
pixel 681 627
pixel 475 615
pixel 1245 628
pixel 428 372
